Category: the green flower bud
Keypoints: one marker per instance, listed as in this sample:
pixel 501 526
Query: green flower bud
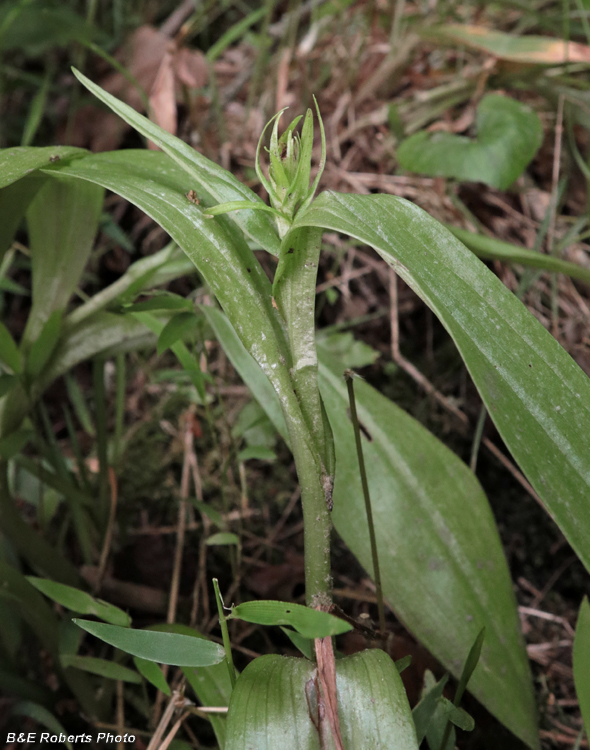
pixel 290 167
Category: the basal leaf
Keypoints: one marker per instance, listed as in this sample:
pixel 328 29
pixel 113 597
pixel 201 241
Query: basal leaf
pixel 310 623
pixel 434 556
pixel 272 701
pixel 100 667
pixel 202 175
pixel 164 648
pixel 581 659
pixel 79 601
pixel 508 136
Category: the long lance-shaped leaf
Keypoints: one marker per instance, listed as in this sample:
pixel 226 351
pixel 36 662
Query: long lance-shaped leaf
pixel 208 178
pixel 535 393
pixel 439 549
pixel 431 549
pixel 20 181
pixel 154 183
pixel 62 222
pixel 18 162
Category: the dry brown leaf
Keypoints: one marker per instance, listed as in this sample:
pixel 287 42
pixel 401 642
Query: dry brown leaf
pixel 163 98
pixel 190 67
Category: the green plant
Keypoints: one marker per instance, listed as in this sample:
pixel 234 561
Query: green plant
pixel 434 556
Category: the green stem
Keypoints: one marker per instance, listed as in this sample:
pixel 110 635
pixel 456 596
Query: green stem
pixel 348 376
pixel 311 436
pixel 225 634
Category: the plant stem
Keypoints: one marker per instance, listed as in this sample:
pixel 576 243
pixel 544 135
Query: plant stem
pixel 225 634
pixel 309 429
pixel 348 376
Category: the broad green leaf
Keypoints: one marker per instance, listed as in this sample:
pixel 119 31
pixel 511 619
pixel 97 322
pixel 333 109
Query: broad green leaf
pixel 175 329
pixel 154 183
pixel 508 136
pixel 247 368
pixel 100 667
pixel 14 443
pixel 9 354
pixel 419 490
pixel 62 221
pixel 373 706
pixel 42 716
pixel 491 248
pixel 434 556
pixel 43 346
pixel 223 538
pixel 270 705
pixel 79 601
pixel 581 659
pixel 207 178
pixel 310 623
pixel 152 673
pixel 16 163
pixel 164 648
pixel 537 396
pixel 530 49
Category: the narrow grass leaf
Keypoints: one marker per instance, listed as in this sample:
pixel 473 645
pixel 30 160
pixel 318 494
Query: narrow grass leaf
pixel 305 645
pixel 100 667
pixel 164 648
pixel 9 354
pixel 209 178
pixel 175 329
pixel 310 623
pixel 79 601
pixel 42 716
pixel 423 712
pixel 152 673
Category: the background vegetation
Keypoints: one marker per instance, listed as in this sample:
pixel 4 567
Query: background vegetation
pixel 193 480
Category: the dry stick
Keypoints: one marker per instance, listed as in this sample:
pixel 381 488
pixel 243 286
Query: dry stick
pixel 348 376
pixel 120 714
pixel 554 197
pixel 180 533
pixel 108 537
pixel 164 721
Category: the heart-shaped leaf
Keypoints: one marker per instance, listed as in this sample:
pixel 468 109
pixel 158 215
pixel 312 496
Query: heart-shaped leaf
pixel 508 136
pixel 274 705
